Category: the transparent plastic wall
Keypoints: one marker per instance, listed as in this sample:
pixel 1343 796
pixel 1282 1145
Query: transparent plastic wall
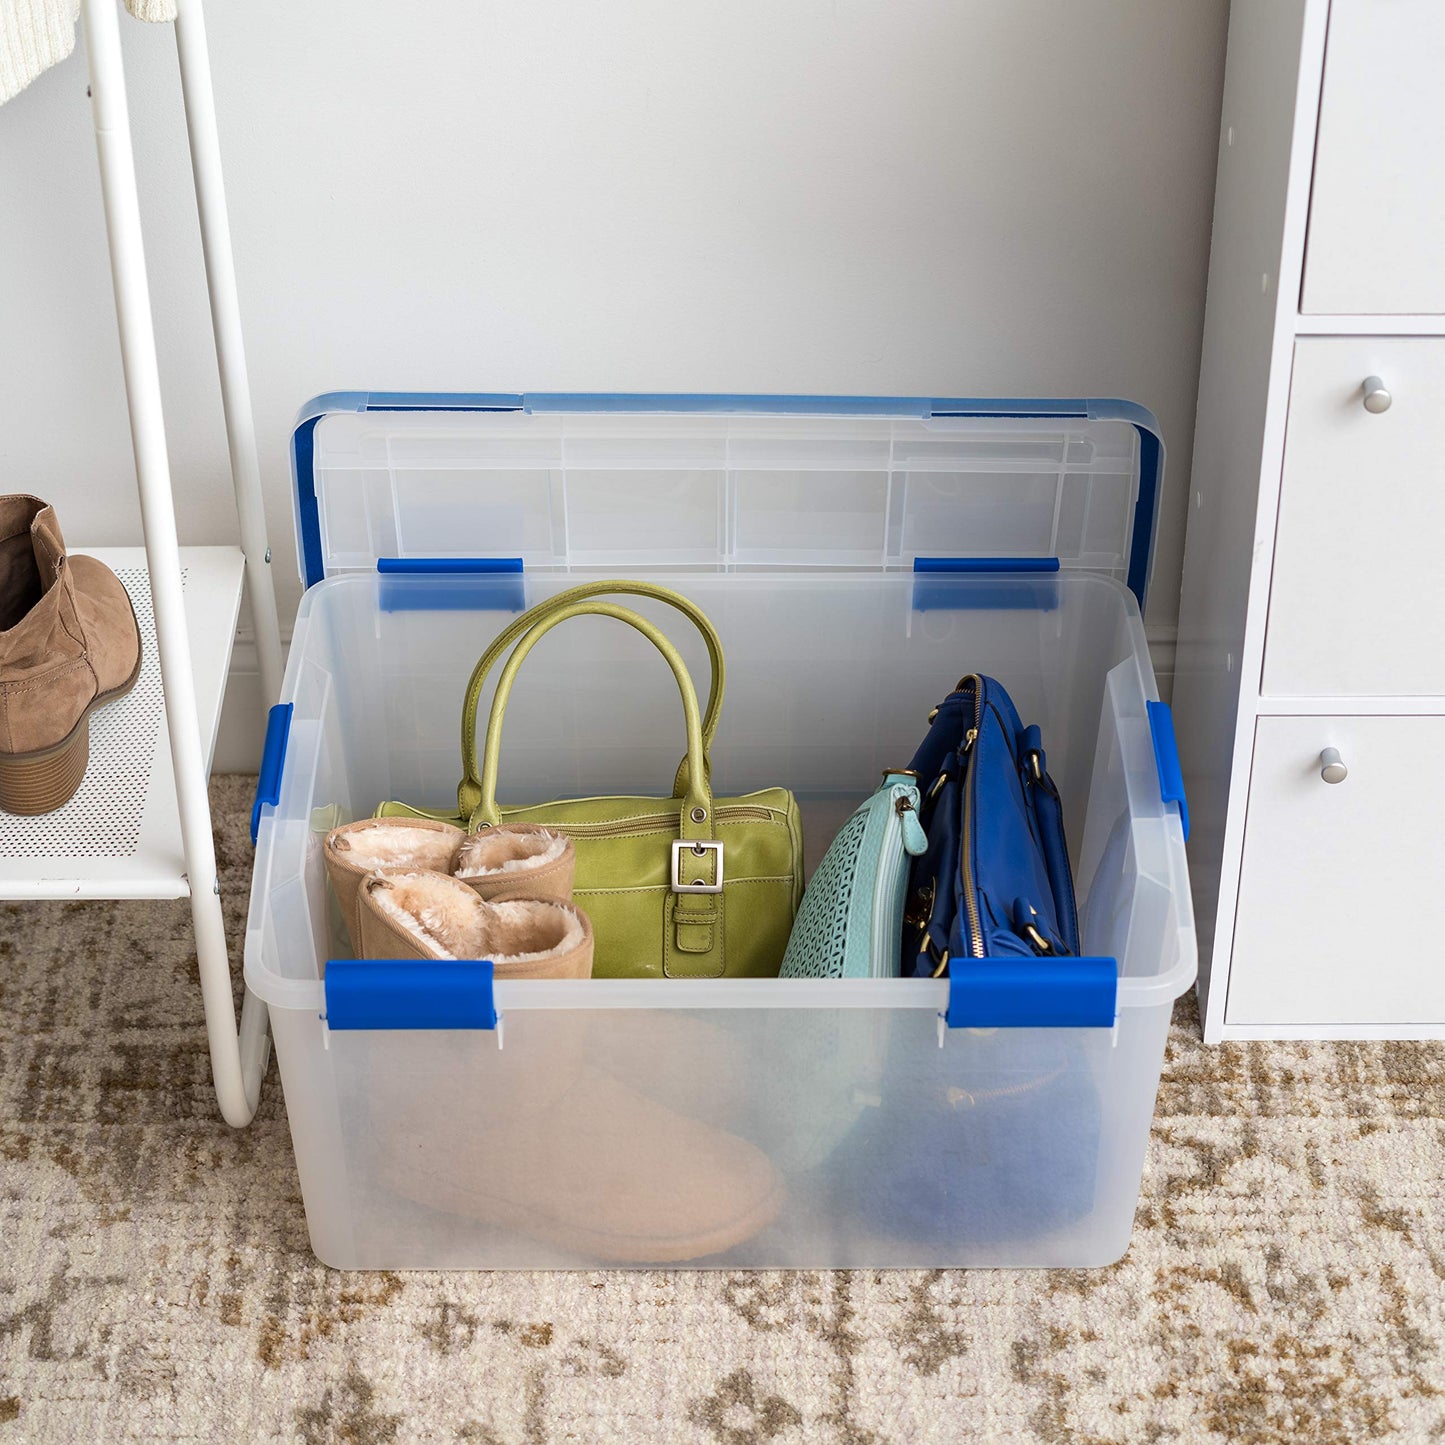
pixel 732 1122
pixel 612 491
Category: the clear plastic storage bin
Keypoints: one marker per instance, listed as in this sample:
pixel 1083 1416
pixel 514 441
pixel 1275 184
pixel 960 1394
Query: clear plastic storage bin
pixel 856 557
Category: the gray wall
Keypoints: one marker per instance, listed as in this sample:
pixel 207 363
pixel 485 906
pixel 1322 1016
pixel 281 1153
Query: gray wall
pixel 946 196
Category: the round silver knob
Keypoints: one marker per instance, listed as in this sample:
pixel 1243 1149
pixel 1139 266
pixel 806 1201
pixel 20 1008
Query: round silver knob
pixel 1377 398
pixel 1332 768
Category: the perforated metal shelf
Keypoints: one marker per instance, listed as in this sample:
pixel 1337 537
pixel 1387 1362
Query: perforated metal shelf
pixel 120 836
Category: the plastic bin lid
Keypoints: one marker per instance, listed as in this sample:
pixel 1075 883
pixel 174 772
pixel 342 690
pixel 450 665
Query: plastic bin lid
pixel 616 482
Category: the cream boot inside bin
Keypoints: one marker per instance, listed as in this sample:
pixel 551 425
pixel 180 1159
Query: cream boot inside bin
pixel 357 850
pixel 432 916
pixel 559 1151
pixel 518 860
pixel 595 1167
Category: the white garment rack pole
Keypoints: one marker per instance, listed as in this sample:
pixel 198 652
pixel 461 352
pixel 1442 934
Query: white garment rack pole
pixel 238 1060
pixel 200 103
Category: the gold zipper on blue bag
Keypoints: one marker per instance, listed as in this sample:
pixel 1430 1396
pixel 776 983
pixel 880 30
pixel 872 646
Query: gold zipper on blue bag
pixel 970 893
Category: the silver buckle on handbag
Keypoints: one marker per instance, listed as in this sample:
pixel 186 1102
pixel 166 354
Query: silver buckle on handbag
pixel 682 849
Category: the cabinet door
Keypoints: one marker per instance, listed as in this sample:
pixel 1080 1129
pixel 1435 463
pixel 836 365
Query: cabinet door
pixel 1377 207
pixel 1355 600
pixel 1342 896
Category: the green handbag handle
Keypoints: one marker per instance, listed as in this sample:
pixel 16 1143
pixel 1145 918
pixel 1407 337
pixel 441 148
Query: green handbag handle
pixel 469 790
pixel 695 816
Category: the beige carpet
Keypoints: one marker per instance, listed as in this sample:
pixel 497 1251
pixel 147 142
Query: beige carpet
pixel 1286 1280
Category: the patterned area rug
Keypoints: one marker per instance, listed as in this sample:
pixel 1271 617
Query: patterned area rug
pixel 1286 1281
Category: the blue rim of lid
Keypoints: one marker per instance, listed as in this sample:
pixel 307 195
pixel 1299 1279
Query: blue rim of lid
pixel 1151 444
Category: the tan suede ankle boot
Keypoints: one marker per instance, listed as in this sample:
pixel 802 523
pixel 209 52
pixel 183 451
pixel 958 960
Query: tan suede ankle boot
pixel 68 644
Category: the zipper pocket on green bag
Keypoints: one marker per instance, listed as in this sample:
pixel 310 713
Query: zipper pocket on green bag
pixel 651 822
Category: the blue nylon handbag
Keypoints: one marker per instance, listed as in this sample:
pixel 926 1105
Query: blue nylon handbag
pixel 994 881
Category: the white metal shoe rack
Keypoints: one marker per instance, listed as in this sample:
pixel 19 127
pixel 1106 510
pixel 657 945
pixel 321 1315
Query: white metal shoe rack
pixel 140 826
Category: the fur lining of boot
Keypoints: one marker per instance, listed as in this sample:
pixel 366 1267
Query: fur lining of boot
pixel 452 922
pixel 508 850
pixel 382 846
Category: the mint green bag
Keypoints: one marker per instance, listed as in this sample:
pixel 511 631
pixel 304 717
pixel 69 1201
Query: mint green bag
pixel 851 922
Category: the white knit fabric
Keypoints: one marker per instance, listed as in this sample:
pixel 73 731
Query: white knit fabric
pixel 36 34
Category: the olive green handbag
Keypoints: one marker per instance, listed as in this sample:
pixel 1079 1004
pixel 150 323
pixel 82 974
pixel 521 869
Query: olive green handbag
pixel 689 886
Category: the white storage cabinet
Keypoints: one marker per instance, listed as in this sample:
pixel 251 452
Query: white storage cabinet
pixel 1310 685
pixel 856 557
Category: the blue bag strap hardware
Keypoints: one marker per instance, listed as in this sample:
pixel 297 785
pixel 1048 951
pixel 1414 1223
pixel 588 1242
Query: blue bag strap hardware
pixel 1048 811
pixel 273 760
pixel 1142 533
pixel 391 993
pixel 1166 760
pixel 1037 993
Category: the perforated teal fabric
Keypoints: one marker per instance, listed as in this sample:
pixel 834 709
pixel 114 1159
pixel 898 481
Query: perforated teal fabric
pixel 817 947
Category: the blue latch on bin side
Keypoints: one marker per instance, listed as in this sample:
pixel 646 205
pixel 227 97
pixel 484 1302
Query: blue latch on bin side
pixel 273 761
pixel 1037 993
pixel 467 584
pixel 985 564
pixel 1166 760
pixel 385 993
pixel 447 566
pixel 935 586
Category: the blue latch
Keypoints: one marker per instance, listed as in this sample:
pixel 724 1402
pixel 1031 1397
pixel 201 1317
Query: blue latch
pixel 389 993
pixel 936 584
pixel 465 584
pixel 446 566
pixel 273 760
pixel 1166 760
pixel 985 564
pixel 1032 993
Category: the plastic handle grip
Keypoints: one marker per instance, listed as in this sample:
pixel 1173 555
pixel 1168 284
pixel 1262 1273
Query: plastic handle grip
pixel 273 763
pixel 1166 760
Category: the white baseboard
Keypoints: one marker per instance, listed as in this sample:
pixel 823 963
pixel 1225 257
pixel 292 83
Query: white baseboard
pixel 242 728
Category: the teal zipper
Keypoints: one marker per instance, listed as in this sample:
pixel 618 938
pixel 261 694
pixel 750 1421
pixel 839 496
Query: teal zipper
pixel 900 842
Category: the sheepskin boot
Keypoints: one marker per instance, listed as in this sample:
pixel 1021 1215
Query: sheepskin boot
pixel 430 915
pixel 518 860
pixel 68 644
pixel 698 1068
pixel 379 845
pixel 537 1138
